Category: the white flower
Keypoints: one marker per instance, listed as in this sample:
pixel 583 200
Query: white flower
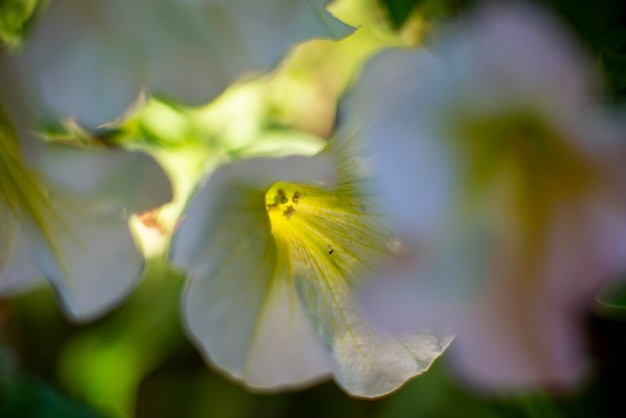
pixel 275 248
pixel 88 59
pixel 66 222
pixel 502 177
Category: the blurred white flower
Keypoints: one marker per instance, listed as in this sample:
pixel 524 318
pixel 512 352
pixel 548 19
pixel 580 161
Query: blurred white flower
pixel 505 182
pixel 66 221
pixel 88 59
pixel 275 248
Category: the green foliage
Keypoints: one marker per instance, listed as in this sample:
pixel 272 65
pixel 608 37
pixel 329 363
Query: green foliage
pixel 399 10
pixel 14 18
pixel 600 25
pixel 613 63
pixel 26 397
pixel 611 301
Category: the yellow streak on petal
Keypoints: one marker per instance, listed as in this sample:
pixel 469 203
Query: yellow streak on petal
pixel 20 190
pixel 328 237
pixel 332 225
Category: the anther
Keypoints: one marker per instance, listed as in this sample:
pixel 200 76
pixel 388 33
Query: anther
pixel 289 212
pixel 281 197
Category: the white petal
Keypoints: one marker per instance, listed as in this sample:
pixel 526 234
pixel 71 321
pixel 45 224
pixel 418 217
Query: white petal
pixel 111 179
pixel 286 349
pixel 218 41
pixel 332 241
pixel 269 28
pixel 388 85
pixel 251 325
pixel 414 175
pixel 88 59
pixel 518 307
pixel 92 261
pixel 18 267
pixel 515 55
pixel 78 237
pixel 240 306
pixel 527 329
pixel 82 61
pixel 431 283
pixel 369 362
pixel 90 255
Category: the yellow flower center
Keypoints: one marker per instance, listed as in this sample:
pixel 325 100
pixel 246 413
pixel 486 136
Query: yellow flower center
pixel 523 156
pixel 522 172
pixel 326 230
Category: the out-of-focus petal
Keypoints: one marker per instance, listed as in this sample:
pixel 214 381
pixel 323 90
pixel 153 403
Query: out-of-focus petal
pixel 527 326
pixel 23 210
pixel 17 268
pixel 92 262
pixel 390 131
pixel 111 180
pixel 91 258
pixel 393 77
pixel 500 176
pixel 88 60
pixel 68 222
pixel 509 54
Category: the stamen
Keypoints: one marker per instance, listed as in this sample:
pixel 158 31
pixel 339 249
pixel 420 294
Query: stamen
pixel 277 197
pixel 281 197
pixel 289 212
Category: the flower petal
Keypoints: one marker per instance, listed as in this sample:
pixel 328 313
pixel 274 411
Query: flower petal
pixel 526 327
pixel 267 285
pixel 331 237
pixel 412 175
pixel 17 267
pixel 92 260
pixel 369 362
pixel 91 257
pixel 241 306
pixel 88 59
pixel 510 54
pixel 115 179
pixel 511 259
pixel 69 222
pixel 393 77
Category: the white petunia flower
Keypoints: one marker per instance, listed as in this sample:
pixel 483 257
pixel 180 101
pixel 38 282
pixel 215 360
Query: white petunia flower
pixel 275 248
pixel 66 222
pixel 504 180
pixel 88 59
